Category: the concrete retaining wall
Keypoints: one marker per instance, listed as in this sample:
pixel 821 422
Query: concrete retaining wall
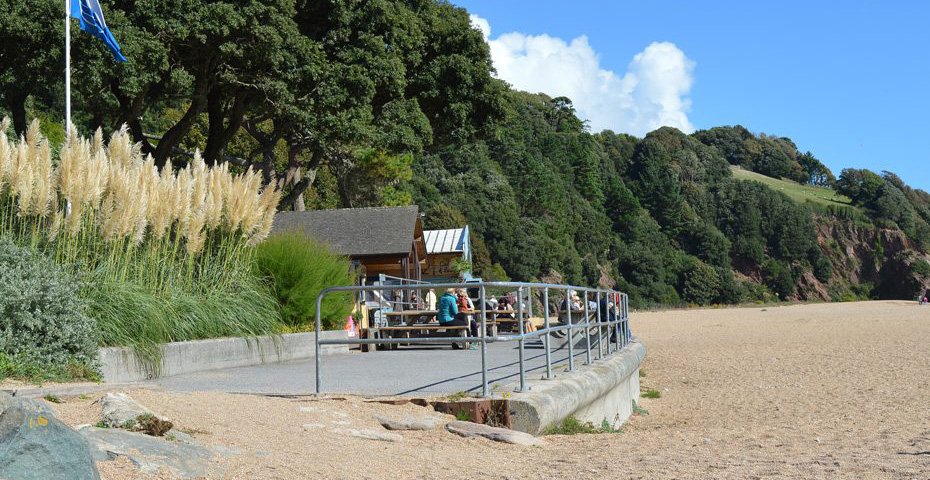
pixel 119 364
pixel 602 391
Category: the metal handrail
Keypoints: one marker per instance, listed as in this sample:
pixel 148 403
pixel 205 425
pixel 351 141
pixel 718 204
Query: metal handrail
pixel 619 322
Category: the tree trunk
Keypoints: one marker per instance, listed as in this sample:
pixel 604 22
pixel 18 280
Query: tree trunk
pixel 293 176
pixel 174 134
pixel 303 182
pixel 17 106
pixel 220 133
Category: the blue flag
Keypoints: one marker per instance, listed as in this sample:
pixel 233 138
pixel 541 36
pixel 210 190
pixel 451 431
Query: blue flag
pixel 91 17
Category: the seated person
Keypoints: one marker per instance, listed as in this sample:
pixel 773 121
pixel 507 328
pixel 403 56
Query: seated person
pixel 504 304
pixel 449 315
pixel 463 302
pixel 492 303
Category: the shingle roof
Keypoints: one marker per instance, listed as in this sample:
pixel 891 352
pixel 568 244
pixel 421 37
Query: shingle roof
pixel 355 231
pixel 445 241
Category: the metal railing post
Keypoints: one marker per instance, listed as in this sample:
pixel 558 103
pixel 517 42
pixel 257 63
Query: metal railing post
pixel 521 342
pixel 604 333
pixel 587 330
pixel 611 319
pixel 548 333
pixel 600 314
pixel 529 300
pixel 619 331
pixel 571 343
pixel 616 330
pixel 319 300
pixel 628 335
pixel 615 324
pixel 484 343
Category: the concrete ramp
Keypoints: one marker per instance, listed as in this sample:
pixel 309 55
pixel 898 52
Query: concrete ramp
pixel 604 390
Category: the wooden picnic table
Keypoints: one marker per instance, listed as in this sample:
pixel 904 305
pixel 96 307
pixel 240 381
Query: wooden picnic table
pixel 408 328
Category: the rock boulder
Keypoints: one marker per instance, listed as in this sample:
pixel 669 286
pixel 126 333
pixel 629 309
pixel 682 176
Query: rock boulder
pixel 469 429
pixel 408 423
pixel 148 453
pixel 34 445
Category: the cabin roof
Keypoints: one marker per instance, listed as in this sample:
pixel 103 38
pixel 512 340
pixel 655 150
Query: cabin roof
pixel 450 240
pixel 358 231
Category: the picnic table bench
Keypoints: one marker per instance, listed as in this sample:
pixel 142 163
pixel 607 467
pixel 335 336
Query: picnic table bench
pixel 411 325
pixel 422 330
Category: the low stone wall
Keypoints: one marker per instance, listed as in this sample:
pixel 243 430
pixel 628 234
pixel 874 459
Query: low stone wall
pixel 119 364
pixel 604 390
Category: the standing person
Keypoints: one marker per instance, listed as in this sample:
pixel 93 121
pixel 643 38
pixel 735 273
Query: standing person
pixel 608 313
pixel 431 299
pixel 449 315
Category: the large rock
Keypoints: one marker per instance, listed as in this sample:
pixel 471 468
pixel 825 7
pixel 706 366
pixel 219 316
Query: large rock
pixel 469 429
pixel 34 445
pixel 408 423
pixel 148 453
pixel 368 434
pixel 120 410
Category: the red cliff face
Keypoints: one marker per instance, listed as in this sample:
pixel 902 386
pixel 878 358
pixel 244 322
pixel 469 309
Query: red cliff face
pixel 882 258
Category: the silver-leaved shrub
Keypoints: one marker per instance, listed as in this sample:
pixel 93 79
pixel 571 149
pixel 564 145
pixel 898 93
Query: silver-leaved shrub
pixel 43 328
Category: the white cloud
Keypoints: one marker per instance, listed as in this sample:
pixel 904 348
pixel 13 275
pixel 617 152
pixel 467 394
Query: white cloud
pixel 652 93
pixel 481 24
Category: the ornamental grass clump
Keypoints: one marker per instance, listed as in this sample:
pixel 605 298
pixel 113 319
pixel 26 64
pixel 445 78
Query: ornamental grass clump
pixel 106 207
pixel 298 269
pixel 163 255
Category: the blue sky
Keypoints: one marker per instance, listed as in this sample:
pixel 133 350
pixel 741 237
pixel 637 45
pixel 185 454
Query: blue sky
pixel 846 80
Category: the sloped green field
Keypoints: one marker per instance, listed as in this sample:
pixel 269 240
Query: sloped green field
pixel 800 193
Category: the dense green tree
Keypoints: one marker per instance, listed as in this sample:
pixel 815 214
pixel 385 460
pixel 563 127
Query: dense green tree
pixel 30 37
pixel 323 79
pixel 701 285
pixel 778 277
pixel 815 172
pixel 862 186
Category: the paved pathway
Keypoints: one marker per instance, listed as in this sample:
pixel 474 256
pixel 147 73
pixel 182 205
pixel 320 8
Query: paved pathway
pixel 430 369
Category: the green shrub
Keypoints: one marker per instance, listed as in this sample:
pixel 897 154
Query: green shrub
pixel 702 284
pixel 777 275
pixel 44 331
pixel 921 267
pixel 650 393
pixel 573 426
pixel 298 269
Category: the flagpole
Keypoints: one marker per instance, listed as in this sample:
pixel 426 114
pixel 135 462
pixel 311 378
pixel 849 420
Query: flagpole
pixel 67 69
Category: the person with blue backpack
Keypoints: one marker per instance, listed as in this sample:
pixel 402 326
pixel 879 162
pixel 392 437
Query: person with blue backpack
pixel 447 312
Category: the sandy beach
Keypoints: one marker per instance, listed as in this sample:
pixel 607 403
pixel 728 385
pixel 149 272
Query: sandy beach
pixel 802 391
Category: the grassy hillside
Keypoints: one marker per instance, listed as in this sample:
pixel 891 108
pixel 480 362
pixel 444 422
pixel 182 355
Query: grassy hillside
pixel 801 193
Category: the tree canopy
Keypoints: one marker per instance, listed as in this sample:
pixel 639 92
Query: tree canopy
pixel 283 86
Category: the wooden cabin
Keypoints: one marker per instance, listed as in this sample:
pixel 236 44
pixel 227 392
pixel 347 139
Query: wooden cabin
pixel 380 240
pixel 444 248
